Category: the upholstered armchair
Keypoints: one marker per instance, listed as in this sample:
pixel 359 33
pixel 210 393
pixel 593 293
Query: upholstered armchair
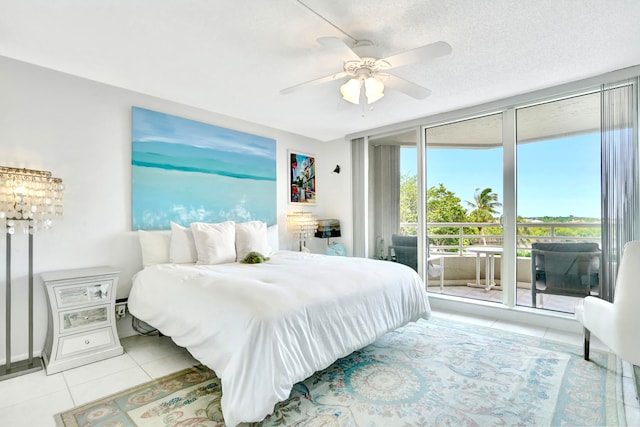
pixel 570 269
pixel 617 324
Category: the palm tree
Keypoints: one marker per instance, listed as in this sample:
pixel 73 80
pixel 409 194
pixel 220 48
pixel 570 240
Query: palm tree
pixel 484 208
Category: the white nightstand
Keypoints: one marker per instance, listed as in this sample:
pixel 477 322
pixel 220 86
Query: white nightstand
pixel 82 324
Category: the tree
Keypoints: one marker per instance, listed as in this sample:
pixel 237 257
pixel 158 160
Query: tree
pixel 409 202
pixel 444 206
pixel 484 208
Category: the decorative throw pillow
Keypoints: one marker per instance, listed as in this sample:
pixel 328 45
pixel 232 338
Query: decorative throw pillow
pixel 254 258
pixel 154 246
pixel 215 243
pixel 251 237
pixel 183 248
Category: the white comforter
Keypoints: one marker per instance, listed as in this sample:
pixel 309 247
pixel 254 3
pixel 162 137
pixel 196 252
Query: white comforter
pixel 264 327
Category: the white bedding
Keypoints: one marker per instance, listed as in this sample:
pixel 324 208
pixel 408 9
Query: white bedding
pixel 264 327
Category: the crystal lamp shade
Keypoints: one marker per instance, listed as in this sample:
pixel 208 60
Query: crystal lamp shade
pixel 30 195
pixel 303 224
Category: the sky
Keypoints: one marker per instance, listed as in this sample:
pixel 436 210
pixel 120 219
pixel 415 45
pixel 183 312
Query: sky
pixel 559 177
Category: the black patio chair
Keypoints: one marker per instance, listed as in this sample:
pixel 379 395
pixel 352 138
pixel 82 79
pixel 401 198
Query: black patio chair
pixel 404 249
pixel 570 269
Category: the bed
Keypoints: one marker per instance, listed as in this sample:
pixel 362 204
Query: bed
pixel 264 327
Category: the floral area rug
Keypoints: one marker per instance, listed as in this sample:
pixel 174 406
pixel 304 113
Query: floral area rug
pixel 428 373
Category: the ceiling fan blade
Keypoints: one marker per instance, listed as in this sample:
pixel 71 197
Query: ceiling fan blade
pixel 419 54
pixel 340 47
pixel 406 87
pixel 314 82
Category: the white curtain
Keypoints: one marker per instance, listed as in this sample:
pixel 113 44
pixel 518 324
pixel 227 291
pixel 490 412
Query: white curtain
pixel 359 164
pixel 384 195
pixel 619 180
pixel 376 196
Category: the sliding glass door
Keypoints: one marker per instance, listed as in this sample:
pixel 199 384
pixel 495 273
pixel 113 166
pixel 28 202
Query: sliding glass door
pixel 464 207
pixel 507 206
pixel 558 202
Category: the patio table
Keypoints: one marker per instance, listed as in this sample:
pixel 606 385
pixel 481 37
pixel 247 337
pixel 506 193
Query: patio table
pixel 489 271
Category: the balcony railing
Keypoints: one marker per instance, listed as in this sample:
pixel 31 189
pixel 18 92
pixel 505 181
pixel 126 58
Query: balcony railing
pixel 461 266
pixel 459 236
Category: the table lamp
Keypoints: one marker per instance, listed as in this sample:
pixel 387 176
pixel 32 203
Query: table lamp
pixel 328 228
pixel 303 224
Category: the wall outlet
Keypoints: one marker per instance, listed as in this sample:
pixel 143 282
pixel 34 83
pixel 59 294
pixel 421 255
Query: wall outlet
pixel 121 310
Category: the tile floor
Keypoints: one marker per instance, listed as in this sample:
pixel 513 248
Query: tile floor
pixel 561 303
pixel 32 400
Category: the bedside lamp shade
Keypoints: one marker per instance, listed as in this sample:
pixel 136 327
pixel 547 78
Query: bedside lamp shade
pixel 303 224
pixel 328 228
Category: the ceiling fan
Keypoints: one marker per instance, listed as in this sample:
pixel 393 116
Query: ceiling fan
pixel 363 70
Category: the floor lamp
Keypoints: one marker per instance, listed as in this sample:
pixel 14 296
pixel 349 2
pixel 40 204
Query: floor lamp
pixel 29 199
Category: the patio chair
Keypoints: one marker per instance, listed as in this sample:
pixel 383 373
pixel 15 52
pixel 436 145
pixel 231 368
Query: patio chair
pixel 616 323
pixel 570 269
pixel 404 249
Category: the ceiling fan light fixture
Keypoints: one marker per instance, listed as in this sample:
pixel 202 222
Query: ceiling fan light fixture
pixel 351 91
pixel 374 89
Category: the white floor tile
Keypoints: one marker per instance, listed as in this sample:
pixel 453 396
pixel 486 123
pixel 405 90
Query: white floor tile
pixel 37 411
pixel 627 369
pixel 633 415
pixel 474 320
pixel 520 328
pixel 629 392
pixel 168 365
pixel 440 315
pixel 119 381
pixel 101 369
pixel 564 337
pixel 144 349
pixel 26 387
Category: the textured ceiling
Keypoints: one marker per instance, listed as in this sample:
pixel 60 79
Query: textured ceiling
pixel 234 56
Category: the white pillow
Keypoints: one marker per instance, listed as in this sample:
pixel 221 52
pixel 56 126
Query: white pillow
pixel 215 243
pixel 272 238
pixel 183 248
pixel 251 237
pixel 154 246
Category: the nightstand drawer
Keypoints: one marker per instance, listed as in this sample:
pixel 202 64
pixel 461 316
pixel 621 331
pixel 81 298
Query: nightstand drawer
pixel 85 293
pixel 79 343
pixel 84 318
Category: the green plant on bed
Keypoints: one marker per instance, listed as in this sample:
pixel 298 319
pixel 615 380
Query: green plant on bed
pixel 254 258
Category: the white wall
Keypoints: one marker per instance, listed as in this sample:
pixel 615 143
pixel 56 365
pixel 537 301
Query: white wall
pixel 80 130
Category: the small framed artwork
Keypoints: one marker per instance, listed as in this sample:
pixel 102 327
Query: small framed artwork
pixel 302 178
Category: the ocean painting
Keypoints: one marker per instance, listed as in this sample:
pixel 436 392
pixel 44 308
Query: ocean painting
pixel 187 171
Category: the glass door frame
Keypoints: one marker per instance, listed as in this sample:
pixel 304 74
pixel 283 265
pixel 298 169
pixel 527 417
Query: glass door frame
pixel 509 211
pixel 509 224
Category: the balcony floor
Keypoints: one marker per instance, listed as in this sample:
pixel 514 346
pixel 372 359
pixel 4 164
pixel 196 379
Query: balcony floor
pixel 559 303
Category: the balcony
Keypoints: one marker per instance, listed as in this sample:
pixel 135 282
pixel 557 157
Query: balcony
pixel 454 242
